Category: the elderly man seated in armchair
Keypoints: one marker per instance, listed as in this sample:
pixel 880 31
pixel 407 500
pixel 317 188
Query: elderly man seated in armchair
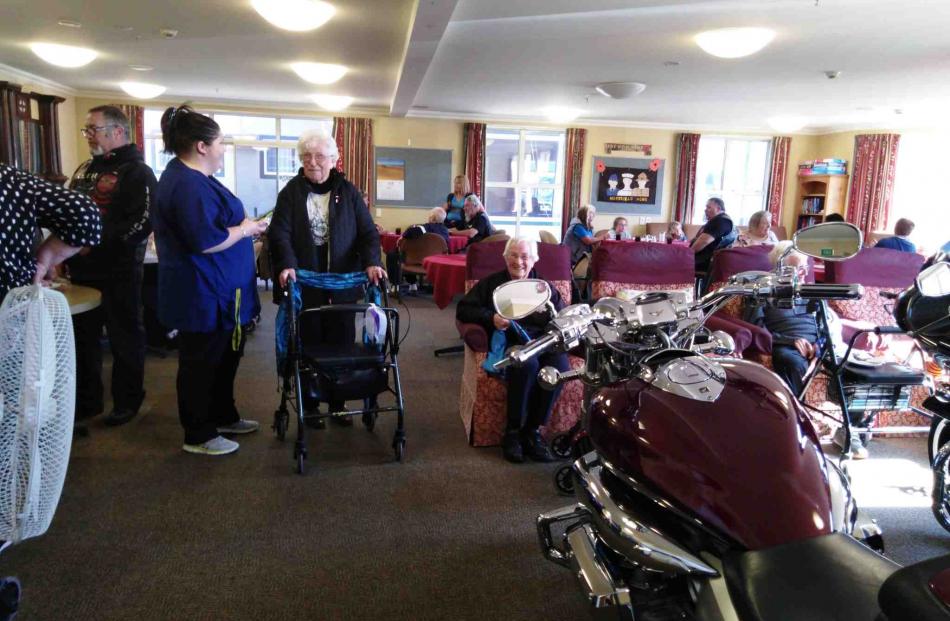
pixel 528 405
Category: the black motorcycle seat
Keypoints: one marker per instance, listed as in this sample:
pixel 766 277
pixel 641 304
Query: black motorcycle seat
pixel 827 578
pixel 907 593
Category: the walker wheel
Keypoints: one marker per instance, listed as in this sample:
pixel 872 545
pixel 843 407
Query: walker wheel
pixel 300 459
pixel 564 481
pixel 561 446
pixel 399 448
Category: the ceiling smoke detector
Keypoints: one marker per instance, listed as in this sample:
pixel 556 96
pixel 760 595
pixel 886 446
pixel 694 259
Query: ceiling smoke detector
pixel 168 33
pixel 620 90
pixel 832 74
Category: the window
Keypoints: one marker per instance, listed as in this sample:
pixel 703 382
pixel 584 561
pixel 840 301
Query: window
pixel 524 180
pixel 261 155
pixel 917 195
pixel 734 169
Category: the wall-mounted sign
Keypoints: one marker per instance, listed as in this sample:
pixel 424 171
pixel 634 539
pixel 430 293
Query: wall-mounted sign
pixel 610 147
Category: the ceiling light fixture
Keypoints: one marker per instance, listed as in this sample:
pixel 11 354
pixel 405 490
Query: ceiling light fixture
pixel 561 114
pixel 69 23
pixel 295 15
pixel 734 42
pixel 786 124
pixel 140 90
pixel 332 102
pixel 64 55
pixel 620 90
pixel 141 67
pixel 319 73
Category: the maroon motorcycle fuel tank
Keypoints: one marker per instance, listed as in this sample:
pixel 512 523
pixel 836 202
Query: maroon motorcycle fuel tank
pixel 748 464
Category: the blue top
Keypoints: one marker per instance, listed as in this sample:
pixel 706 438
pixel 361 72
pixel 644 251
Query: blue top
pixel 945 248
pixel 572 239
pixel 198 292
pixel 456 212
pixel 896 243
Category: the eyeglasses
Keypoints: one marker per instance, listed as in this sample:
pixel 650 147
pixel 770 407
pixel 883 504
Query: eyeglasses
pixel 519 257
pixel 92 130
pixel 318 158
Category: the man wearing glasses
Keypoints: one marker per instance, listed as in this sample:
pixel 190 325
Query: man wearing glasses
pixel 122 185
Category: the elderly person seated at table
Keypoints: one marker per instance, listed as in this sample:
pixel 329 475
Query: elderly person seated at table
pixel 321 224
pixel 618 231
pixel 477 226
pixel 674 232
pixel 759 231
pixel 579 236
pixel 900 241
pixel 529 405
pixel 435 224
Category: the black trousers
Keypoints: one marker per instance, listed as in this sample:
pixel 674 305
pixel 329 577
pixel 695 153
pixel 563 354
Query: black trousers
pixel 207 364
pixel 529 405
pixel 121 314
pixel 790 366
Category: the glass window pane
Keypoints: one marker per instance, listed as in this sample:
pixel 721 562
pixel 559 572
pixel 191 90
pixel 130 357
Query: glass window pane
pixel 757 168
pixel 500 201
pixel 734 170
pixel 291 128
pixel 254 186
pixel 541 157
pixel 154 157
pixel 501 156
pixel 152 123
pixel 241 127
pixel 709 164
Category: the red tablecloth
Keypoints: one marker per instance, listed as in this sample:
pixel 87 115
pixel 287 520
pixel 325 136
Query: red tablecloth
pixel 446 272
pixel 388 242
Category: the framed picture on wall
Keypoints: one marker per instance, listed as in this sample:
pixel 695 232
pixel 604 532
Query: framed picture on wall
pixel 627 185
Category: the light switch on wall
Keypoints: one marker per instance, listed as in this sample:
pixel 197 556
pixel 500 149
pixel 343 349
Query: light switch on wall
pixel 643 220
pixel 379 212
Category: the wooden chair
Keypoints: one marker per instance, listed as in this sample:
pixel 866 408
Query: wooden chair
pixel 547 237
pixel 499 236
pixel 415 250
pixel 657 228
pixel 601 232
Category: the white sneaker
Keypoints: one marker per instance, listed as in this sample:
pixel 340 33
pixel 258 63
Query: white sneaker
pixel 217 445
pixel 240 426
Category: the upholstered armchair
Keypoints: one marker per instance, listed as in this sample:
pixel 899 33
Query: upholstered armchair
pixel 482 403
pixel 642 266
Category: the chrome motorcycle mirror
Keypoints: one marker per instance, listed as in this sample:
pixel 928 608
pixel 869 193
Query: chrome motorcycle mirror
pixel 832 241
pixel 934 282
pixel 519 298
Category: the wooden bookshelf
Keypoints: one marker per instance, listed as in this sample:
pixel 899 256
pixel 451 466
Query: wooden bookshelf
pixel 29 132
pixel 818 197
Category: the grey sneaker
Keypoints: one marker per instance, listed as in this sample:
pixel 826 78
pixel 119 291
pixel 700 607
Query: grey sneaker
pixel 240 426
pixel 858 451
pixel 217 445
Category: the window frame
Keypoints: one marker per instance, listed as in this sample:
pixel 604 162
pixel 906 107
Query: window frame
pixel 739 217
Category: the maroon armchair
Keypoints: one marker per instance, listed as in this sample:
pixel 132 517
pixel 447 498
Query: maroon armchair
pixel 482 402
pixel 643 266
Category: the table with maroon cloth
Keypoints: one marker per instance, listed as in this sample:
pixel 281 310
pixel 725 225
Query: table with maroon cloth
pixel 388 242
pixel 446 273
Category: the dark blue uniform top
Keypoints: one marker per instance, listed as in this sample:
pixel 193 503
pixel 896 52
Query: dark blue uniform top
pixel 200 292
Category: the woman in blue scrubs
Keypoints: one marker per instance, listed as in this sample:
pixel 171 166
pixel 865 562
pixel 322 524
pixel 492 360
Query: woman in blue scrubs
pixel 455 202
pixel 207 287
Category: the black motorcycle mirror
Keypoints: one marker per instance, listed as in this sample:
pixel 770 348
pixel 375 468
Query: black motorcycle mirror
pixel 832 241
pixel 934 282
pixel 519 298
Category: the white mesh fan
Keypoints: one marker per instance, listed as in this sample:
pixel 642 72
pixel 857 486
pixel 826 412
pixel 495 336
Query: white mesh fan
pixel 37 395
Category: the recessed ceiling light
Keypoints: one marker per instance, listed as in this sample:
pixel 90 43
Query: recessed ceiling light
pixel 64 55
pixel 734 42
pixel 140 90
pixel 332 102
pixel 561 114
pixel 319 73
pixel 141 67
pixel 787 123
pixel 69 23
pixel 296 15
pixel 620 90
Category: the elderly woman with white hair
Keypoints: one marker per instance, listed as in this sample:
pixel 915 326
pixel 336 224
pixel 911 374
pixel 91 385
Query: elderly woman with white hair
pixel 528 405
pixel 322 224
pixel 759 231
pixel 477 226
pixel 435 224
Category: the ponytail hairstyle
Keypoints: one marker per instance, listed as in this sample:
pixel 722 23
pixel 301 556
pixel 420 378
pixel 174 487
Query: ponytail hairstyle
pixel 182 128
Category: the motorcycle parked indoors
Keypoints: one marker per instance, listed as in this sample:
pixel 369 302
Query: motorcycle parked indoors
pixel 701 491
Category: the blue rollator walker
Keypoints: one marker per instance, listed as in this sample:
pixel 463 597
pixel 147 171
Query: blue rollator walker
pixel 337 353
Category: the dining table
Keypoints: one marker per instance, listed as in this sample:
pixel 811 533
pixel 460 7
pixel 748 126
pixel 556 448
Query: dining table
pixel 446 274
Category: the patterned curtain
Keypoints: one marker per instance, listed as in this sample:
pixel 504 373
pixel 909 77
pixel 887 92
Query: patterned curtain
pixel 574 165
pixel 778 171
pixel 872 181
pixel 136 116
pixel 687 149
pixel 474 147
pixel 354 139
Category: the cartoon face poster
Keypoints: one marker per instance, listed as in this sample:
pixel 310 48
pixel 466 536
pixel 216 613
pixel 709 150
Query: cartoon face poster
pixel 622 183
